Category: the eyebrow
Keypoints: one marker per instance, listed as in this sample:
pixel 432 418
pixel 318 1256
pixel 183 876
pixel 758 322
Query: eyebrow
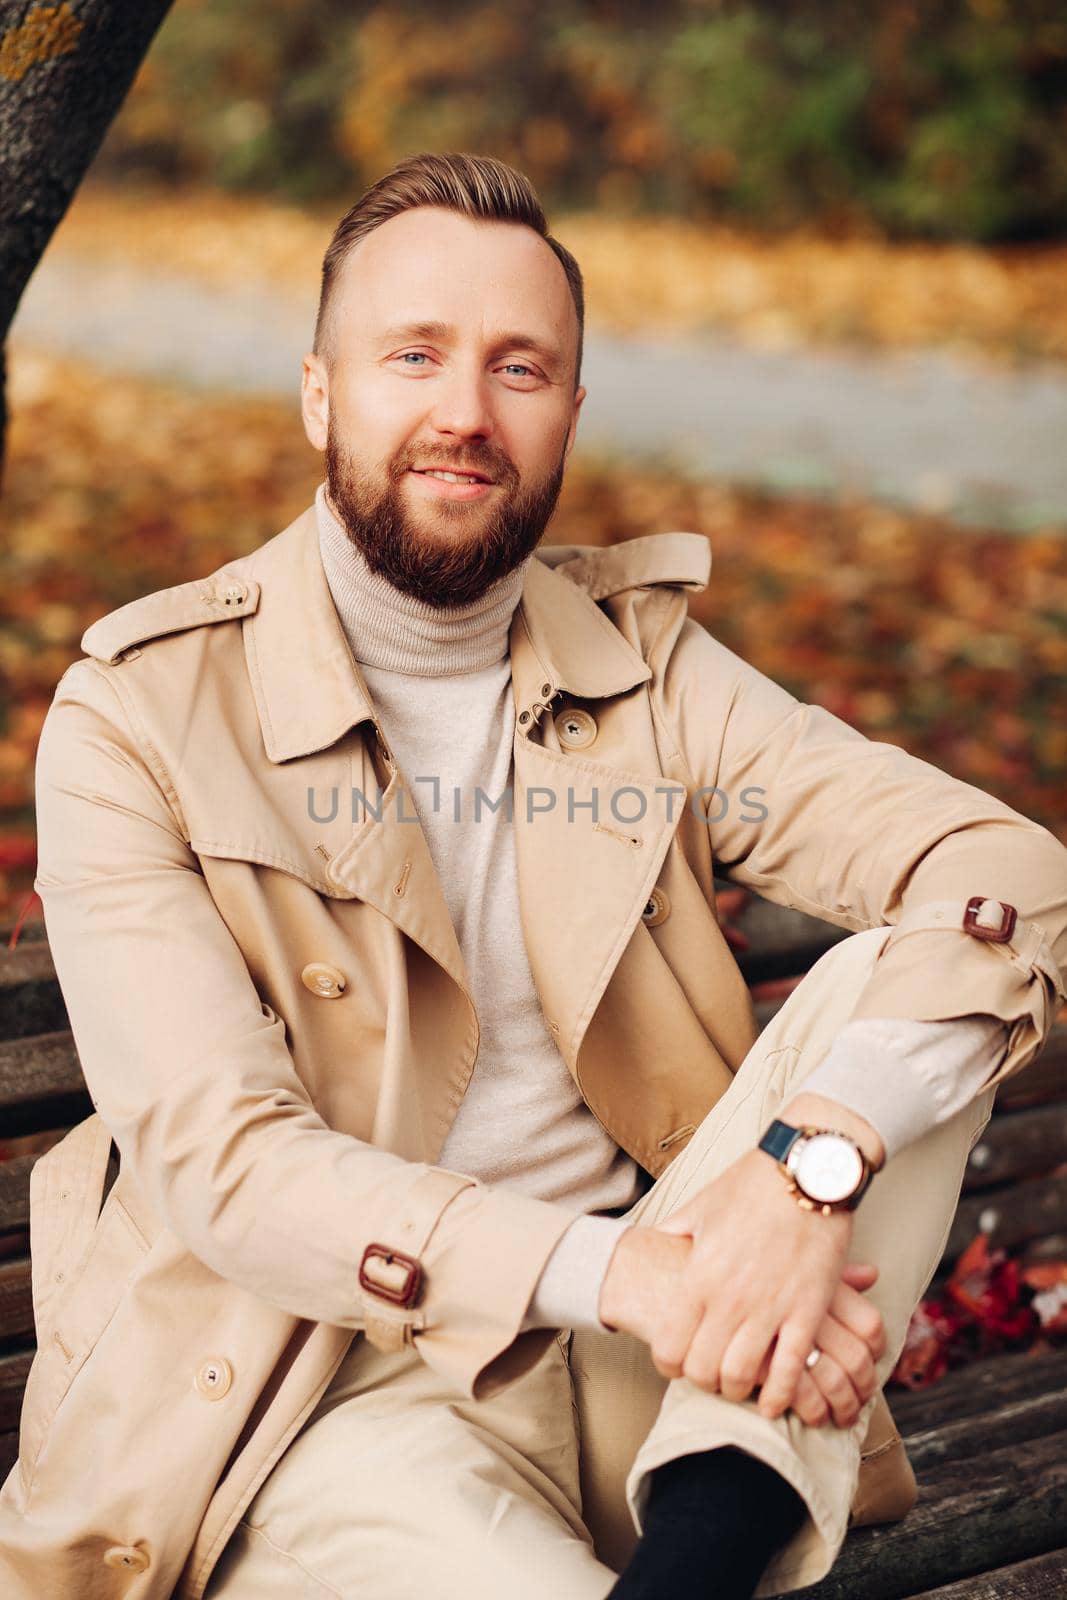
pixel 550 354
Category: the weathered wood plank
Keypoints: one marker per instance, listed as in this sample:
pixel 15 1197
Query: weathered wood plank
pixel 16 1299
pixel 1010 1216
pixel 782 941
pixel 41 1084
pixel 1012 1423
pixel 1041 1578
pixel 972 1516
pixel 1044 1079
pixel 14 1370
pixel 977 1388
pixel 1018 1144
pixel 30 1001
pixel 15 1192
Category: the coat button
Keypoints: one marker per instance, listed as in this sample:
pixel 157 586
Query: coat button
pixel 576 729
pixel 214 1377
pixel 326 981
pixel 128 1556
pixel 234 594
pixel 657 910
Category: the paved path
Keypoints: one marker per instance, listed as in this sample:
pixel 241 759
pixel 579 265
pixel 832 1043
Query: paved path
pixel 921 430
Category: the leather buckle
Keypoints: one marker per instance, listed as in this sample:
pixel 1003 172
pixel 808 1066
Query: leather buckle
pixel 400 1289
pixel 999 935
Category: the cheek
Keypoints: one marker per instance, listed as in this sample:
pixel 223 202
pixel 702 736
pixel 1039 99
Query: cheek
pixel 533 436
pixel 379 410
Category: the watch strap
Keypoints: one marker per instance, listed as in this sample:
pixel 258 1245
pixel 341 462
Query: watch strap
pixel 780 1139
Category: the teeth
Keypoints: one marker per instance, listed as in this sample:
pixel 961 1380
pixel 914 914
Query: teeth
pixel 450 477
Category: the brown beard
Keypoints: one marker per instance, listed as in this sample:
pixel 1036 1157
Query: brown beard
pixel 442 572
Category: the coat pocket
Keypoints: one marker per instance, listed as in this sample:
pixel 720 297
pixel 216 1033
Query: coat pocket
pixel 83 1257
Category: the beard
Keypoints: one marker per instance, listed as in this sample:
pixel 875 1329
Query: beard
pixel 442 571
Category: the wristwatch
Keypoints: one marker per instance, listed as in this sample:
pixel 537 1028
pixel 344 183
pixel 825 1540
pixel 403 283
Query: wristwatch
pixel 826 1170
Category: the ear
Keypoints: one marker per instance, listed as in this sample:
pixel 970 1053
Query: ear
pixel 315 400
pixel 572 430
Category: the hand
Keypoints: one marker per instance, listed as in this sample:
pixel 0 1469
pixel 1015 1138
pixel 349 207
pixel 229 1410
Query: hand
pixel 852 1338
pixel 750 1298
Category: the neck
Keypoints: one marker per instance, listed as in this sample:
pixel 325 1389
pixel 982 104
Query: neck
pixel 387 628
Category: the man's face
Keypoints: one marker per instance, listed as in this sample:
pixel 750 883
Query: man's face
pixel 454 345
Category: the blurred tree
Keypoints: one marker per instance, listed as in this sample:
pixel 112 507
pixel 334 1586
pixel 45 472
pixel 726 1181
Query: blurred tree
pixel 64 71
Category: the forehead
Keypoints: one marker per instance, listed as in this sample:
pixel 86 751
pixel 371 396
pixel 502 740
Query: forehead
pixel 435 265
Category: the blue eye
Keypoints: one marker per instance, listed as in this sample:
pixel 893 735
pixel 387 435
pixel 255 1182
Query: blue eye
pixel 418 355
pixel 513 364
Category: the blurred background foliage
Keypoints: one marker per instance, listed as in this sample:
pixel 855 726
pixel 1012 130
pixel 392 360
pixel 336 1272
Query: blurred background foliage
pixel 918 118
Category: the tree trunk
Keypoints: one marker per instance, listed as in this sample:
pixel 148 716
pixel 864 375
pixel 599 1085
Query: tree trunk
pixel 65 68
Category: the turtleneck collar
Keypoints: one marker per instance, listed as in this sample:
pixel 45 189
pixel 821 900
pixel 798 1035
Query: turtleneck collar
pixel 390 629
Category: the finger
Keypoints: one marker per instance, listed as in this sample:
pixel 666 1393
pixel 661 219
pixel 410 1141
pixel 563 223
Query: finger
pixel 859 1274
pixel 809 1402
pixel 838 1390
pixel 851 1354
pixel 861 1316
pixel 743 1359
pixel 671 1340
pixel 795 1340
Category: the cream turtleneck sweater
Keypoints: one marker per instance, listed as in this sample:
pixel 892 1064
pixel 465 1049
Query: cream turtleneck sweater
pixel 440 680
pixel 441 684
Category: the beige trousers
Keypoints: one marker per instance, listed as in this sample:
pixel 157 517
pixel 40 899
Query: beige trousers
pixel 397 1487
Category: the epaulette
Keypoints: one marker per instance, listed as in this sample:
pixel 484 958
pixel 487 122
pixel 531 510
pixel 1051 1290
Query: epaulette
pixel 683 559
pixel 220 598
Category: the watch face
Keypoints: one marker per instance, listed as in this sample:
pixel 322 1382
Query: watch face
pixel 827 1167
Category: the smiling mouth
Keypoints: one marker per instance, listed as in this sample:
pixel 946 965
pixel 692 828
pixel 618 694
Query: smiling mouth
pixel 446 475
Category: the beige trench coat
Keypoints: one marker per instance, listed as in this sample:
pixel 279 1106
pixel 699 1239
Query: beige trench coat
pixel 275 1119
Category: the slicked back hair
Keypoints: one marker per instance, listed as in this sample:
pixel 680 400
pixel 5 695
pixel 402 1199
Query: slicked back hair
pixel 474 186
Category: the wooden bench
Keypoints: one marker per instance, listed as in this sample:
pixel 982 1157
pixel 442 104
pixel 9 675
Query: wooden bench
pixel 988 1442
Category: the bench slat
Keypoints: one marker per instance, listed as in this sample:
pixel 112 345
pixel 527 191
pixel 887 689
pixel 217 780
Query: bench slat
pixel 1010 1216
pixel 14 1370
pixel 15 1193
pixel 30 1001
pixel 976 1388
pixel 972 1516
pixel 16 1298
pixel 41 1084
pixel 1041 1578
pixel 1018 1144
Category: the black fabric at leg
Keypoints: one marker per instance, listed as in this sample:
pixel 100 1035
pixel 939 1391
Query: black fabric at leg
pixel 712 1524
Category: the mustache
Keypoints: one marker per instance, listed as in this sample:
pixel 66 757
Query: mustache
pixel 499 469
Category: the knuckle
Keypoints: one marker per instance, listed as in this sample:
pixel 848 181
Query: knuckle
pixel 836 1385
pixel 858 1365
pixel 665 1360
pixel 871 1327
pixel 698 1371
pixel 737 1373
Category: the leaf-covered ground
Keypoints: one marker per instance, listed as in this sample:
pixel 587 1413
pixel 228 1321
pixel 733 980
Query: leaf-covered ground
pixel 951 643
pixel 653 274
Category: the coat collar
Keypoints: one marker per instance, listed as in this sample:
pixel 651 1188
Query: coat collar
pixel 309 691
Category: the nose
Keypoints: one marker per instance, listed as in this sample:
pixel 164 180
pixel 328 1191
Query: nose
pixel 462 407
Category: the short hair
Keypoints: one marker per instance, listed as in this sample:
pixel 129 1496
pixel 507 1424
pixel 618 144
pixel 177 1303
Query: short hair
pixel 475 186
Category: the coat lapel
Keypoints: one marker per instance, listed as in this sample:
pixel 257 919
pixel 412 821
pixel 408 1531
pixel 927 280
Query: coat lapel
pixel 585 873
pixel 309 694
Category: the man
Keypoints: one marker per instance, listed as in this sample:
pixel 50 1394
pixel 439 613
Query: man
pixel 465 1230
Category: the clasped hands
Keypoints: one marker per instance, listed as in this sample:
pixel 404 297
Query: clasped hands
pixel 735 1289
